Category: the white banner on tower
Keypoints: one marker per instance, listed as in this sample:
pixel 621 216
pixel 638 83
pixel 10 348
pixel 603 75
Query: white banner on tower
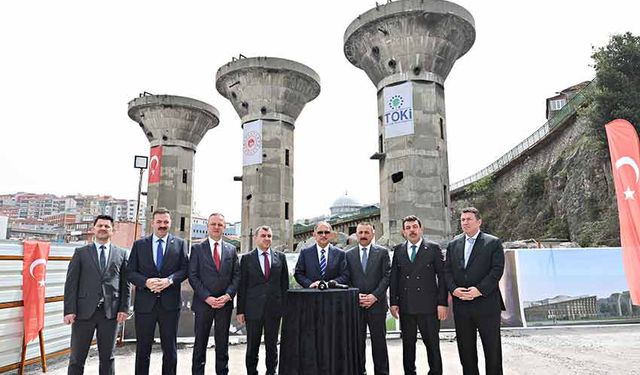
pixel 398 110
pixel 252 143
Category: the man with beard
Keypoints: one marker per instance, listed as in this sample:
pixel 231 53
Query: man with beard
pixel 264 281
pixel 418 295
pixel 214 275
pixel 157 268
pixel 369 268
pixel 96 297
pixel 321 261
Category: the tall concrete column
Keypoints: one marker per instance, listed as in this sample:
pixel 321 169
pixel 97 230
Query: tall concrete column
pixel 174 125
pixel 415 41
pixel 274 91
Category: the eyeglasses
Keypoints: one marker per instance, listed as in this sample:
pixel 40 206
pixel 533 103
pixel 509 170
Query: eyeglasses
pixel 325 232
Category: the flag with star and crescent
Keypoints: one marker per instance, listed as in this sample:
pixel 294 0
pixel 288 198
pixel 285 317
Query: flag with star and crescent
pixel 624 148
pixel 155 164
pixel 34 269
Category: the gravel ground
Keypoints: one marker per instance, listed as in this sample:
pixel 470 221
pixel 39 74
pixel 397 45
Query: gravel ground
pixel 557 351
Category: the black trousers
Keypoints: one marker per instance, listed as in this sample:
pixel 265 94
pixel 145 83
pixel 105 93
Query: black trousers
pixel 203 321
pixel 81 334
pixel 255 328
pixel 429 326
pixel 468 324
pixel 145 330
pixel 378 330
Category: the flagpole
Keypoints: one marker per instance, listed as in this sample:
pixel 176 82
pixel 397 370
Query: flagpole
pixel 22 356
pixel 43 359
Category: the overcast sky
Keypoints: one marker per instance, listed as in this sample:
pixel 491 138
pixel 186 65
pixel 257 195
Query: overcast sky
pixel 68 70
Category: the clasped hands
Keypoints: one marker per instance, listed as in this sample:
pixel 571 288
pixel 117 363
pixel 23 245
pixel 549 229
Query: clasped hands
pixel 466 294
pixel 217 302
pixel 156 284
pixel 367 300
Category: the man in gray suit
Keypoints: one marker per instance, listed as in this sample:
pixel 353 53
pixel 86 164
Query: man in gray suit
pixel 369 268
pixel 214 275
pixel 96 297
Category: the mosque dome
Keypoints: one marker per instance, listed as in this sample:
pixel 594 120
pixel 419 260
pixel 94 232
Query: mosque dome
pixel 345 205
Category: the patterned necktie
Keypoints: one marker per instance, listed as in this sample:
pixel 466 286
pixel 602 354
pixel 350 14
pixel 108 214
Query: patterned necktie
pixel 364 259
pixel 103 258
pixel 216 256
pixel 159 254
pixel 467 250
pixel 323 263
pixel 267 268
pixel 413 253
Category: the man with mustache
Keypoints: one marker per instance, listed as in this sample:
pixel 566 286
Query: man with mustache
pixel 321 261
pixel 369 268
pixel 475 263
pixel 157 268
pixel 214 275
pixel 418 295
pixel 96 297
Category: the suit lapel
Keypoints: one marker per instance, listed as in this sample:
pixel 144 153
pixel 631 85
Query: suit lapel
pixel 168 252
pixel 477 245
pixel 256 256
pixel 315 260
pixel 93 253
pixel 208 255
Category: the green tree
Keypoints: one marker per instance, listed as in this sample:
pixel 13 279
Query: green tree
pixel 617 91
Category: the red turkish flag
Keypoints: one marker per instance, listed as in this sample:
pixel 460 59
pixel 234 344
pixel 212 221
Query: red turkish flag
pixel 34 268
pixel 154 164
pixel 625 161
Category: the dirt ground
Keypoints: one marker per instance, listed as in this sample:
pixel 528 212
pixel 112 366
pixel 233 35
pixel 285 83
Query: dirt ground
pixel 557 351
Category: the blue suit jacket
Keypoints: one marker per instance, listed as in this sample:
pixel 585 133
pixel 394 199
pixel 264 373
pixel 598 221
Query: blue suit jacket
pixel 308 266
pixel 142 267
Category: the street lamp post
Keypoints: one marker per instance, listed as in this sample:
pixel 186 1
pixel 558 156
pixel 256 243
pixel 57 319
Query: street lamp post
pixel 142 163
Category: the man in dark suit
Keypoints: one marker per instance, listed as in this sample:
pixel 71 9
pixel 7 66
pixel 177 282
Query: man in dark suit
pixel 264 281
pixel 96 297
pixel 418 294
pixel 214 275
pixel 475 262
pixel 322 261
pixel 369 268
pixel 157 267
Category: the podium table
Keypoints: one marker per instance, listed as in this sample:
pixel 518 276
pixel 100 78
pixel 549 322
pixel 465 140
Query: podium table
pixel 320 333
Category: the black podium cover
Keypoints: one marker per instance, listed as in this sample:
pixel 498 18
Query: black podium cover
pixel 319 333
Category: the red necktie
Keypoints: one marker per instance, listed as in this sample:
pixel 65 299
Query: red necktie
pixel 267 269
pixel 216 256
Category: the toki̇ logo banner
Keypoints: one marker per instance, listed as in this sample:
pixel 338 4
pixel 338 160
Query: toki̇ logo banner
pixel 252 143
pixel 398 110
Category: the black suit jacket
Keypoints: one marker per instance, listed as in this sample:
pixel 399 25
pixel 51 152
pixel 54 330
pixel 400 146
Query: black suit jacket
pixel 484 270
pixel 86 284
pixel 141 267
pixel 419 287
pixel 308 266
pixel 259 298
pixel 206 280
pixel 376 279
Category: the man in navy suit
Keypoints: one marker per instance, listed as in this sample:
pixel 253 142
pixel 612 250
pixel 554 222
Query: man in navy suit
pixel 264 281
pixel 214 275
pixel 474 266
pixel 418 295
pixel 321 261
pixel 157 266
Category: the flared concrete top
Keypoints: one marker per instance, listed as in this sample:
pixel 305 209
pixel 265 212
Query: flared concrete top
pixel 268 88
pixel 173 120
pixel 409 40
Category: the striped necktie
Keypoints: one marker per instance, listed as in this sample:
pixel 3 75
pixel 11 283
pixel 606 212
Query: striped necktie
pixel 323 263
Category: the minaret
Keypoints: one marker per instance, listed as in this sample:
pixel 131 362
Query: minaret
pixel 407 48
pixel 268 94
pixel 174 125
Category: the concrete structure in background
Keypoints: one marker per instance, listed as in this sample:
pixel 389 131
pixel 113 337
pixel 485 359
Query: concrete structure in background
pixel 4 227
pixel 174 126
pixel 268 93
pixel 411 41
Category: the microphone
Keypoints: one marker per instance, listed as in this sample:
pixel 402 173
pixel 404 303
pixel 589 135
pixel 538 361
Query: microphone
pixel 336 285
pixel 322 285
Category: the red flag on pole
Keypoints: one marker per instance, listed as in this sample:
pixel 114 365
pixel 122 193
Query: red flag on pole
pixel 154 164
pixel 624 148
pixel 34 268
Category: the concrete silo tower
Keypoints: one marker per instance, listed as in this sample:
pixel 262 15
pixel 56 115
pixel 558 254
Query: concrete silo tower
pixel 268 94
pixel 174 125
pixel 407 48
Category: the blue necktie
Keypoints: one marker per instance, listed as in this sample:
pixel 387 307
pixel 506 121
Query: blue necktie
pixel 323 263
pixel 364 259
pixel 159 255
pixel 467 250
pixel 413 253
pixel 103 258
